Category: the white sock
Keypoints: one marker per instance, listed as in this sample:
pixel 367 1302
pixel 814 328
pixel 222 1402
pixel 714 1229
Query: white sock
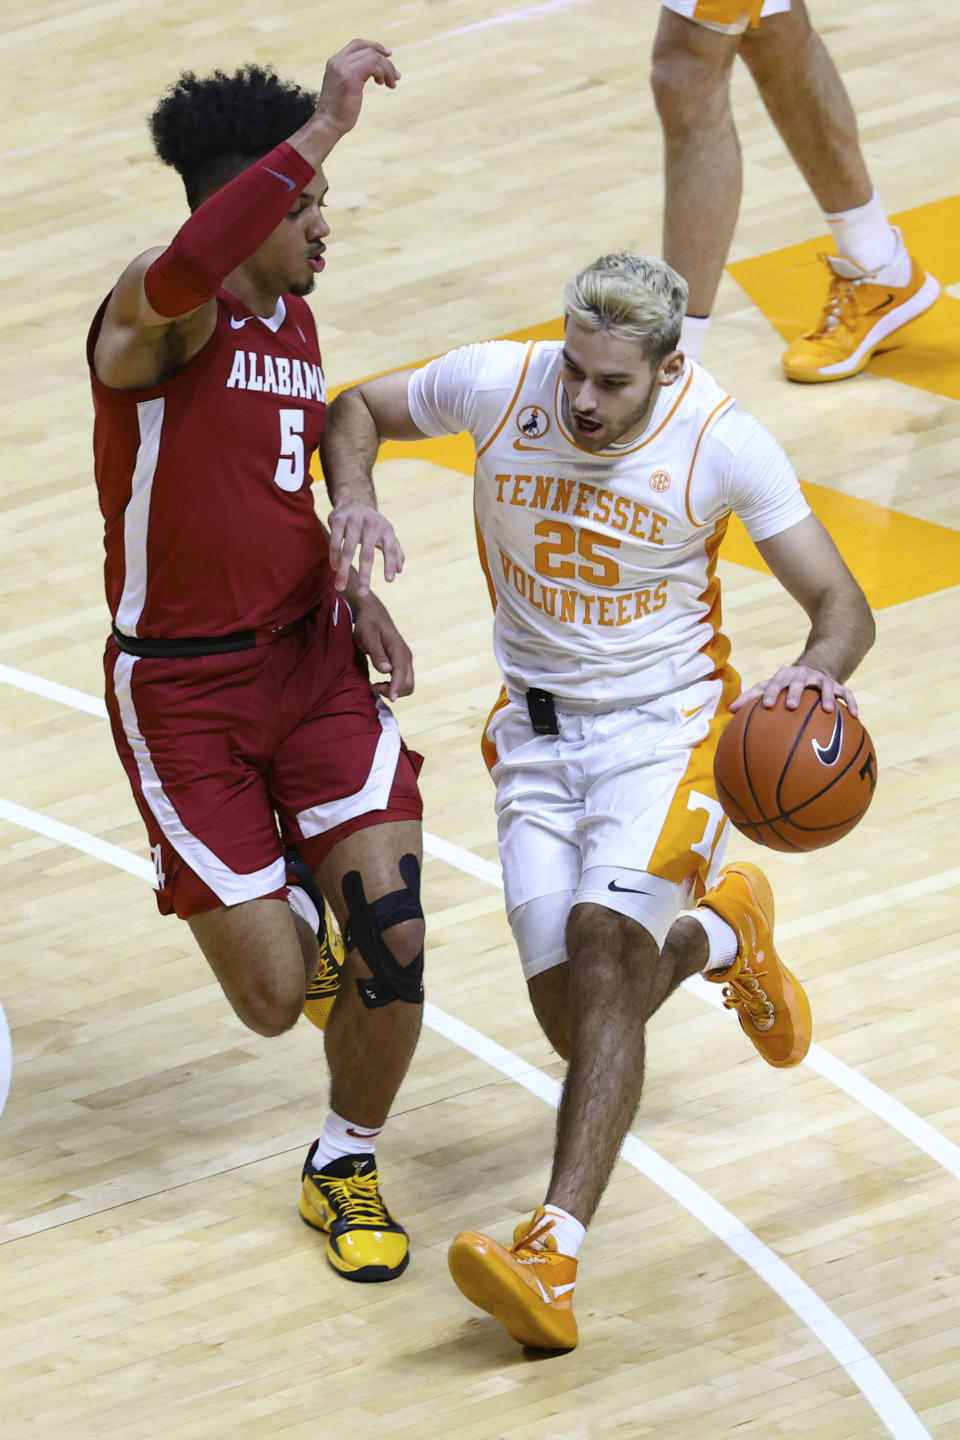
pixel 341 1137
pixel 567 1230
pixel 301 904
pixel 722 941
pixel 866 237
pixel 693 332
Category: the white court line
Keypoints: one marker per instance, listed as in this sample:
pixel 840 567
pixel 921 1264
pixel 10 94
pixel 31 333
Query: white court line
pixel 511 17
pixel 867 1374
pixel 77 840
pixel 892 1112
pixel 6 1059
pixel 912 1127
pixel 51 690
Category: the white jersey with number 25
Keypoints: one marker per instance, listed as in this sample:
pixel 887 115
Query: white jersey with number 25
pixel 602 567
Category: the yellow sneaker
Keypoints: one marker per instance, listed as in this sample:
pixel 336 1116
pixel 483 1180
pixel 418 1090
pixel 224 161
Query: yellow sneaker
pixel 528 1288
pixel 323 988
pixel 771 1004
pixel 325 985
pixel 860 314
pixel 343 1198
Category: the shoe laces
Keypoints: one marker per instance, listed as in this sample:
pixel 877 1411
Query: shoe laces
pixel 744 992
pixel 534 1240
pixel 327 979
pixel 357 1199
pixel 841 302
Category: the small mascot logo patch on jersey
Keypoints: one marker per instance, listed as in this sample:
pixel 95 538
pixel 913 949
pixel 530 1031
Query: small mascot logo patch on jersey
pixel 533 422
pixel 659 480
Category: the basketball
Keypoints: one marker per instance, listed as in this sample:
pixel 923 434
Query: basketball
pixel 795 779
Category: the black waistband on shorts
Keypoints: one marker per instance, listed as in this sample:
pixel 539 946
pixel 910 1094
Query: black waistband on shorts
pixel 157 648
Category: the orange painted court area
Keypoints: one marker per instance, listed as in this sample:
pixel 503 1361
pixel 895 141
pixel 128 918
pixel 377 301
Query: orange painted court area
pixel 788 287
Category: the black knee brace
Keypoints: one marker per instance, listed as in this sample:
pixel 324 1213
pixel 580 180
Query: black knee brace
pixel 365 926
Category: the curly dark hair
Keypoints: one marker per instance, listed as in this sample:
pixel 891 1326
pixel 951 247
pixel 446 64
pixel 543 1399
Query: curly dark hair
pixel 210 129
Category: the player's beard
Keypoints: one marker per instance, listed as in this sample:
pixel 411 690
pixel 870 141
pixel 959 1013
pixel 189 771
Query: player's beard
pixel 303 287
pixel 602 440
pixel 640 416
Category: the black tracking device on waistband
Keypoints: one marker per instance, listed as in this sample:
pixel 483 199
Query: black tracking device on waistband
pixel 543 716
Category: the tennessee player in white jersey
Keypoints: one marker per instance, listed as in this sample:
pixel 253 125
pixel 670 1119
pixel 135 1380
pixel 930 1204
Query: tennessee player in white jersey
pixel 607 467
pixel 603 564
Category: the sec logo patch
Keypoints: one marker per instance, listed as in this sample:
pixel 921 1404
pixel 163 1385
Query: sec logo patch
pixel 659 480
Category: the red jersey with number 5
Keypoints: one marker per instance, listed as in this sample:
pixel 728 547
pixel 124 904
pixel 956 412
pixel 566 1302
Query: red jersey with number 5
pixel 204 481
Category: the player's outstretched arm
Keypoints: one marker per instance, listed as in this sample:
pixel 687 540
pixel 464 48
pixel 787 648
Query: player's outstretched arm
pixel 341 96
pixel 358 421
pixel 162 310
pixel 810 567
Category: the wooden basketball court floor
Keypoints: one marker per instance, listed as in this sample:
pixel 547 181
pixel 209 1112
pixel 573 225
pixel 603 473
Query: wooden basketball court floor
pixel 778 1254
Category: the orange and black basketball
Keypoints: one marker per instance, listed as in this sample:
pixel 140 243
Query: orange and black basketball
pixel 795 779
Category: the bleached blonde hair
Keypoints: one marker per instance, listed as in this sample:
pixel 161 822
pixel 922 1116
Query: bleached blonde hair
pixel 631 295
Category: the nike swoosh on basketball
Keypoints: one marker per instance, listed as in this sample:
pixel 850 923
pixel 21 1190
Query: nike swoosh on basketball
pixel 288 182
pixel 830 754
pixel 239 324
pixel 627 889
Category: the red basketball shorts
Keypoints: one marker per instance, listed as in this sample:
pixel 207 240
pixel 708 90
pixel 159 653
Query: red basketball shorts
pixel 232 757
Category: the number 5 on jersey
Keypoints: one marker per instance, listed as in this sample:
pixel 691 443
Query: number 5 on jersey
pixel 290 467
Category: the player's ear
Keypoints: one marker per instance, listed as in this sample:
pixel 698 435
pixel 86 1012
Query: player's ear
pixel 671 368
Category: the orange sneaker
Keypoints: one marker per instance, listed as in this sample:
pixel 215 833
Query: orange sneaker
pixel 528 1288
pixel 860 314
pixel 771 1005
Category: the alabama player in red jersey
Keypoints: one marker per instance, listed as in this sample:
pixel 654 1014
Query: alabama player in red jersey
pixel 269 772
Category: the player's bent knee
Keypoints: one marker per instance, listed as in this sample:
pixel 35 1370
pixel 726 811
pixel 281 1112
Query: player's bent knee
pixel 396 968
pixel 603 939
pixel 266 1012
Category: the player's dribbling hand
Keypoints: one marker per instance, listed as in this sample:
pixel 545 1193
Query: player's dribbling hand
pixel 360 525
pixel 795 679
pixel 379 638
pixel 346 73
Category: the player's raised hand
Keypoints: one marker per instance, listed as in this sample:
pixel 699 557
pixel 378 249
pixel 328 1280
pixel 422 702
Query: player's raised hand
pixel 346 73
pixel 354 527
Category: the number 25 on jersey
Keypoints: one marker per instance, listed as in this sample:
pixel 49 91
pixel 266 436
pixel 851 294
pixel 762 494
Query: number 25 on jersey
pixel 592 565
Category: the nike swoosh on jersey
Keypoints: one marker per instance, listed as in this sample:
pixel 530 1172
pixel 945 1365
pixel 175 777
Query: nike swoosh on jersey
pixel 239 324
pixel 627 889
pixel 688 714
pixel 290 184
pixel 519 445
pixel 830 754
